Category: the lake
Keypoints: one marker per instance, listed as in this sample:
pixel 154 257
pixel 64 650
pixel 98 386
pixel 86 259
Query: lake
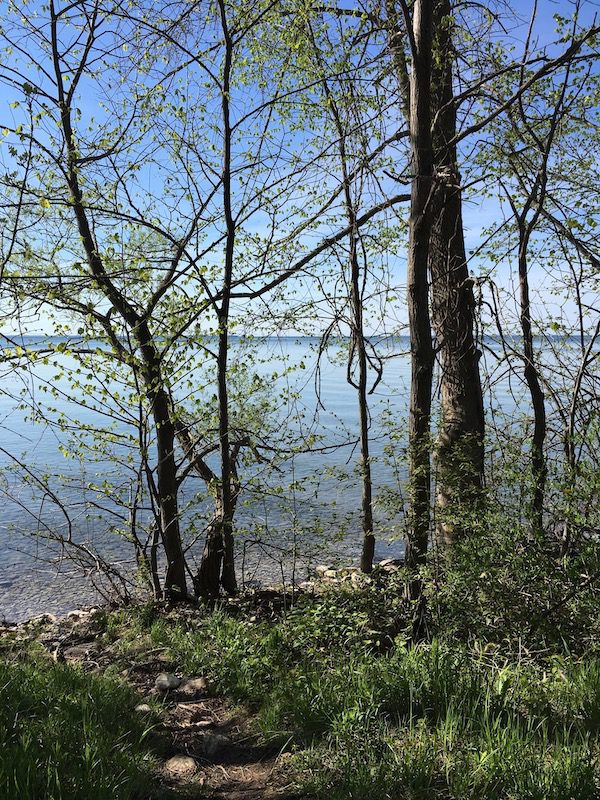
pixel 302 511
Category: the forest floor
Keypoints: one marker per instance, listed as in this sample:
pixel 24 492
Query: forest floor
pixel 204 746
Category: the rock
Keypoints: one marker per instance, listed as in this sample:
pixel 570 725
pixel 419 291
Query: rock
pixel 212 744
pixel 143 708
pixel 165 682
pixel 321 569
pixel 193 686
pixel 345 572
pixel 79 652
pixel 330 573
pixel 360 579
pixel 181 766
pixel 391 562
pixel 306 586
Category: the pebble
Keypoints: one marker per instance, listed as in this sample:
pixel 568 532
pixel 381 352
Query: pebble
pixel 143 708
pixel 181 766
pixel 165 682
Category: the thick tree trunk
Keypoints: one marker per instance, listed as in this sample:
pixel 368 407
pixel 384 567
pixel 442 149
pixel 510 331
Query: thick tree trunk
pixel 208 578
pixel 459 450
pixel 417 285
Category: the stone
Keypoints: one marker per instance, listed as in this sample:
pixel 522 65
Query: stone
pixel 321 569
pixel 390 562
pixel 193 686
pixel 165 682
pixel 345 572
pixel 181 766
pixel 330 573
pixel 143 708
pixel 79 652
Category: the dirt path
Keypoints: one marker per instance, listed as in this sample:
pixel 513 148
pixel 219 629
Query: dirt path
pixel 206 747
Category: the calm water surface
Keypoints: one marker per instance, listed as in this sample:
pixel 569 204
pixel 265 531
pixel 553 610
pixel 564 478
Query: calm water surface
pixel 317 518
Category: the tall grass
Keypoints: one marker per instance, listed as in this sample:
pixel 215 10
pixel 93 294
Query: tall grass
pixel 433 721
pixel 66 735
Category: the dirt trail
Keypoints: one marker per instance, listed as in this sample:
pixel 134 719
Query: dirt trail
pixel 207 749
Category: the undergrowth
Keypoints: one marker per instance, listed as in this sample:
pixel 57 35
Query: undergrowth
pixel 438 720
pixel 368 714
pixel 66 735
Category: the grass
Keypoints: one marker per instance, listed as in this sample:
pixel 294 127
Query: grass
pixel 66 735
pixel 441 720
pixel 368 715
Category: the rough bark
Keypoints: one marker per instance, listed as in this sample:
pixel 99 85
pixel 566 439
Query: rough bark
pixel 207 580
pixel 459 447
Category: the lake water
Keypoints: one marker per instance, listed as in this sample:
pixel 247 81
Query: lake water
pixel 305 511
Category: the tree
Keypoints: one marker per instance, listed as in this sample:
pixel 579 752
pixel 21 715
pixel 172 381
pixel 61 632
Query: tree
pixel 145 216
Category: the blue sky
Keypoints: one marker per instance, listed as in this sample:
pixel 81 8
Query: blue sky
pixel 480 213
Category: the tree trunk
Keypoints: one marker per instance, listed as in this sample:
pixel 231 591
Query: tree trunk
pixel 459 449
pixel 207 581
pixel 417 284
pixel 368 543
pixel 538 460
pixel 175 582
pixel 228 579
